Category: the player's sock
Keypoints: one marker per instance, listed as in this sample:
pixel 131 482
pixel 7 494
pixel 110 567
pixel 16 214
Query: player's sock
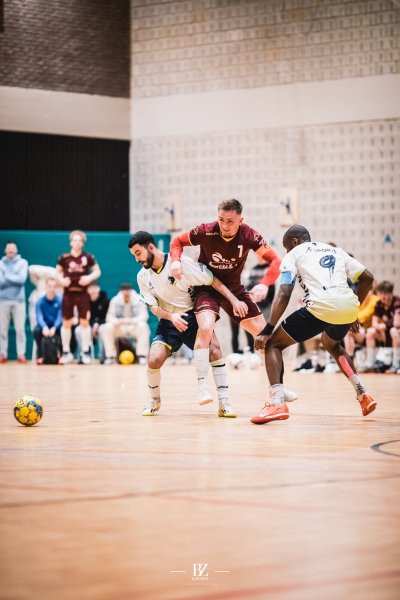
pixel 220 375
pixel 86 337
pixel 277 393
pixel 370 356
pixel 201 363
pixel 357 385
pixel 153 382
pixel 66 339
pixel 396 357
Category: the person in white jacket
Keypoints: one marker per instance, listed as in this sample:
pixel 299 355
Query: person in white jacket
pixel 127 316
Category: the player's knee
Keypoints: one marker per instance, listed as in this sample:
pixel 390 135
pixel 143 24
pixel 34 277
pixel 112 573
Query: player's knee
pixel 205 331
pixel 394 333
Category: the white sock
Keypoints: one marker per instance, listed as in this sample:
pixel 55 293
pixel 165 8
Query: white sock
pixel 153 382
pixel 370 356
pixel 357 385
pixel 66 339
pixel 86 337
pixel 220 375
pixel 396 357
pixel 277 393
pixel 201 363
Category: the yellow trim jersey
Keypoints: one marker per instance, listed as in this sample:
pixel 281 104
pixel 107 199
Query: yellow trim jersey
pixel 322 272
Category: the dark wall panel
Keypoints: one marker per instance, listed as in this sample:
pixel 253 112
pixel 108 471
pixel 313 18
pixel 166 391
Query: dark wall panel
pixel 58 182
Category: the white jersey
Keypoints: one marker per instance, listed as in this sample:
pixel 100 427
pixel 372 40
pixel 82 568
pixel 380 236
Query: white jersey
pixel 322 272
pixel 160 288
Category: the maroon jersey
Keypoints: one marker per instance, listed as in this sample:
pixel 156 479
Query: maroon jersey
pixel 226 258
pixel 75 267
pixel 387 314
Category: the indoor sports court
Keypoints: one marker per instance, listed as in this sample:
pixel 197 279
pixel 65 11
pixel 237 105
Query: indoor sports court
pixel 120 478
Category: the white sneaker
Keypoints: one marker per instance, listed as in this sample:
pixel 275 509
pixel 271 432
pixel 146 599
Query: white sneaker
pixel 109 361
pixel 205 396
pixel 142 360
pixel 86 359
pixel 67 357
pixel 152 407
pixel 225 410
pixel 290 396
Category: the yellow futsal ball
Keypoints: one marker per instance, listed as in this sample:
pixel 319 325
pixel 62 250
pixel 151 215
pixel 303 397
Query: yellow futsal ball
pixel 28 410
pixel 126 357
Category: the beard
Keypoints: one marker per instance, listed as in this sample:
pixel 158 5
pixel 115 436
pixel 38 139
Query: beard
pixel 149 262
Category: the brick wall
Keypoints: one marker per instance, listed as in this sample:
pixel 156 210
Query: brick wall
pixel 191 46
pixel 74 46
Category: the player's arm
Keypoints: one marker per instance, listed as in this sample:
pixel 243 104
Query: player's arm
pixel 61 280
pixel 260 291
pixel 176 318
pixel 175 251
pixel 279 306
pixel 240 309
pixel 93 275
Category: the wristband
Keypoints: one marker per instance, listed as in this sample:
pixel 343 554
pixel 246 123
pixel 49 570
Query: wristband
pixel 268 329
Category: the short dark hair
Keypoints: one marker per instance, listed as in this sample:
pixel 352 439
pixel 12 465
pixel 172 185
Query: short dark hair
pixel 297 231
pixel 231 205
pixel 385 286
pixel 143 238
pixel 125 286
pixel 11 242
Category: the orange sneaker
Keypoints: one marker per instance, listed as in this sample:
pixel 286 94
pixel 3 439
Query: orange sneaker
pixel 271 412
pixel 368 404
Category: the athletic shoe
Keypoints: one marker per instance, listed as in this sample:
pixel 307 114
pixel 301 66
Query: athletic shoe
pixel 39 361
pixel 271 412
pixel 393 369
pixel 307 365
pixel 368 404
pixel 142 360
pixel 86 358
pixel 109 361
pixel 3 359
pixel 22 360
pixel 225 410
pixel 152 407
pixel 67 357
pixel 290 396
pixel 205 396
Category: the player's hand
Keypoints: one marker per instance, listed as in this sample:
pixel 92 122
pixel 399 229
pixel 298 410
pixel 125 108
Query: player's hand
pixel 261 341
pixel 259 292
pixel 52 332
pixel 176 269
pixel 355 328
pixel 240 309
pixel 179 322
pixel 84 280
pixel 45 331
pixel 65 281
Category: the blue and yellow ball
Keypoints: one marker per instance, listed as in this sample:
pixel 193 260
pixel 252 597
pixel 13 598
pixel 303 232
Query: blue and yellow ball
pixel 28 410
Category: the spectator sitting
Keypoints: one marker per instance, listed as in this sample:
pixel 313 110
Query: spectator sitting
pixel 13 274
pixel 49 321
pixel 38 275
pixel 98 311
pixel 365 314
pixel 127 316
pixel 385 328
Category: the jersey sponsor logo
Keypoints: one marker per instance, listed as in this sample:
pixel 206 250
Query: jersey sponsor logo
pixel 328 262
pixel 212 233
pixel 218 258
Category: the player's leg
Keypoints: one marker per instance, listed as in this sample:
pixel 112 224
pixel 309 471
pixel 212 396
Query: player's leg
pixel 298 327
pixel 395 339
pixel 220 376
pixel 66 329
pixel 346 365
pixel 83 305
pixel 372 336
pixel 159 352
pixel 206 322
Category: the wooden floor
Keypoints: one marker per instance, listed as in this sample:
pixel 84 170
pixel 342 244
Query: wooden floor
pixel 100 503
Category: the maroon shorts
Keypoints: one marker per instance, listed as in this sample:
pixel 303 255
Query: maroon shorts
pixel 206 298
pixel 79 299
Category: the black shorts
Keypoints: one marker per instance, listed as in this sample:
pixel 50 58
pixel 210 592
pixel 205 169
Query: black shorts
pixel 302 325
pixel 167 333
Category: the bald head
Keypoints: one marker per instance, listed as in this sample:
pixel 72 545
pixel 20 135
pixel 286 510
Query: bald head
pixel 295 235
